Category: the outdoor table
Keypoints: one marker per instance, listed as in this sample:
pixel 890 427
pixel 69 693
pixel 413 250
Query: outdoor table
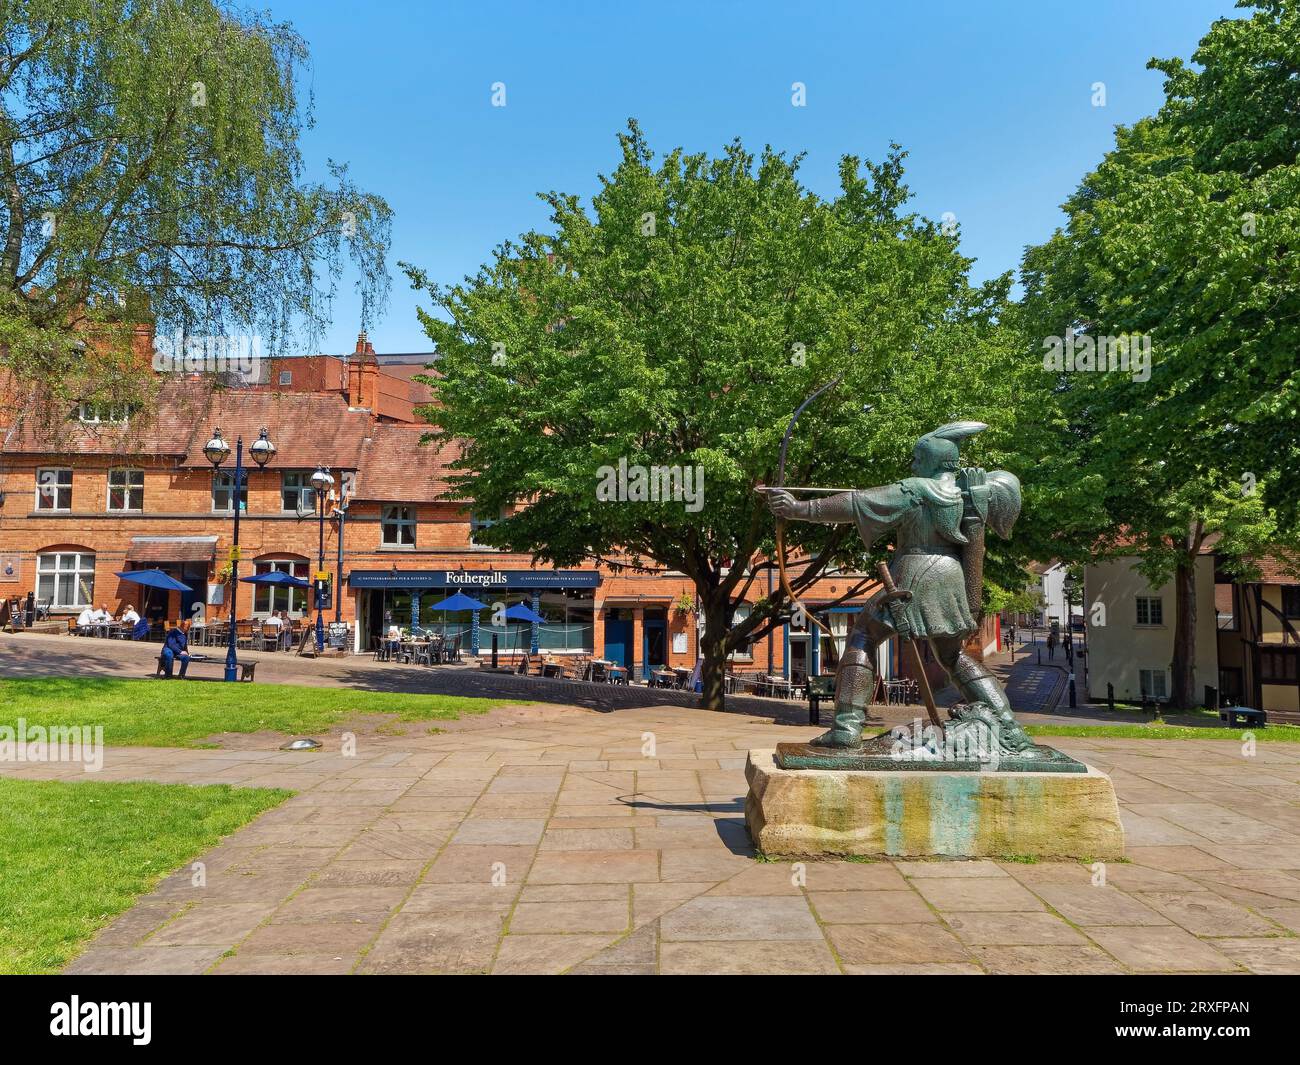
pixel 617 674
pixel 552 669
pixel 683 676
pixel 662 678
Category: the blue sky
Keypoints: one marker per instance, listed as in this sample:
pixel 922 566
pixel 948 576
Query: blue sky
pixel 993 101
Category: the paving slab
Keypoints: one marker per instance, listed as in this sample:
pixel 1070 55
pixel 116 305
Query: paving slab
pixel 540 839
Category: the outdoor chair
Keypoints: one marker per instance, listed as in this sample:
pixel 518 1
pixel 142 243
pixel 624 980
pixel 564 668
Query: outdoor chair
pixel 270 638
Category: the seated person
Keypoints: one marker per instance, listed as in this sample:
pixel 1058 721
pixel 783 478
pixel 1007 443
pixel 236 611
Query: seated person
pixel 86 620
pixel 393 642
pixel 286 630
pixel 129 616
pixel 175 645
pixel 274 621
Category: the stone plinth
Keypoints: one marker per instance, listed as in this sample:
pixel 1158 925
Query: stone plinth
pixel 822 812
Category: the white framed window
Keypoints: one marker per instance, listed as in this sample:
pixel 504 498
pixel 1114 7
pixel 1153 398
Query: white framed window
pixel 223 492
pixel 53 489
pixel 297 496
pixel 100 413
pixel 66 579
pixel 1150 610
pixel 270 597
pixel 1153 684
pixel 125 489
pixel 397 527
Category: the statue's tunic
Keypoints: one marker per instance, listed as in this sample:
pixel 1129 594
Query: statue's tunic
pixel 924 516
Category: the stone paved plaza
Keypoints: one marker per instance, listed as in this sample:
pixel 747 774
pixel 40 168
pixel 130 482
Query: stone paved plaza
pixel 543 839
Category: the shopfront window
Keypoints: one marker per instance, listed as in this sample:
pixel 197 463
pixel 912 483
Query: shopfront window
pixel 271 598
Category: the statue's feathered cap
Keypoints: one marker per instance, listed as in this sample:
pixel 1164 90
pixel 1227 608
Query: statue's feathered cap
pixel 940 447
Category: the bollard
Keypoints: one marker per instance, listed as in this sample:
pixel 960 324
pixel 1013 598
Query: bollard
pixel 1073 703
pixel 1040 655
pixel 494 650
pixel 1110 697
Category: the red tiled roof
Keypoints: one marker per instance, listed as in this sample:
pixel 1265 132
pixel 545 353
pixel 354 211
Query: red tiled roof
pixel 307 428
pixel 164 428
pixel 1279 569
pixel 396 466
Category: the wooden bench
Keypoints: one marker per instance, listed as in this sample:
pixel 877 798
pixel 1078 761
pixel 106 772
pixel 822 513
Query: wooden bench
pixel 819 688
pixel 246 669
pixel 1249 717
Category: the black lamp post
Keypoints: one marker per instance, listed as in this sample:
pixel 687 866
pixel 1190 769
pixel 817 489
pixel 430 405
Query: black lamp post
pixel 1068 586
pixel 217 451
pixel 322 482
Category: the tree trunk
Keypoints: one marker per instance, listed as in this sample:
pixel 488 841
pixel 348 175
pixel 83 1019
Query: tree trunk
pixel 714 645
pixel 1182 695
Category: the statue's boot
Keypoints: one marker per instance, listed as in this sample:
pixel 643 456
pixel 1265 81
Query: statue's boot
pixel 978 685
pixel 854 683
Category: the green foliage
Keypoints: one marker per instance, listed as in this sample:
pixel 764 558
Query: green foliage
pixel 150 171
pixel 679 322
pixel 73 855
pixel 1188 232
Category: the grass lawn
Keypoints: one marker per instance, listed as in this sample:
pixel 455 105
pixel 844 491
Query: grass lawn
pixel 73 856
pixel 1159 731
pixel 175 714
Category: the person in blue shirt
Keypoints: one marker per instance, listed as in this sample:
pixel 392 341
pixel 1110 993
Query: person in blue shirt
pixel 175 645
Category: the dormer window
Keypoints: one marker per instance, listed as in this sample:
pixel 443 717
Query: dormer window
pixel 103 413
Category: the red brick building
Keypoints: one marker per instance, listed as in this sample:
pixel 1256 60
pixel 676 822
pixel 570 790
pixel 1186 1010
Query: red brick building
pixel 112 491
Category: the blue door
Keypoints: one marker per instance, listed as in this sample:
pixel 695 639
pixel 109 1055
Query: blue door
pixel 618 640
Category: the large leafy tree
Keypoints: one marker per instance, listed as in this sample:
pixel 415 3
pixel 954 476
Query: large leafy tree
pixel 150 171
pixel 1188 233
pixel 679 322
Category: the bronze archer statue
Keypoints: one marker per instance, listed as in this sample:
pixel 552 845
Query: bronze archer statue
pixel 938 518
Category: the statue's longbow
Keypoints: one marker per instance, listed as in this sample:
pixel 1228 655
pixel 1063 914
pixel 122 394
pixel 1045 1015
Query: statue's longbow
pixel 780 522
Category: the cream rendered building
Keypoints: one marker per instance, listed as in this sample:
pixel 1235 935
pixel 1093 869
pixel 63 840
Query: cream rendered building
pixel 1131 631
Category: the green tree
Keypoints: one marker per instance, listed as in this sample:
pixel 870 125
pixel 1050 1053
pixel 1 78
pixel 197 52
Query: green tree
pixel 680 323
pixel 1187 234
pixel 150 170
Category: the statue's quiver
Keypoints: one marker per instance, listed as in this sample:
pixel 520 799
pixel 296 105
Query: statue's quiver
pixel 988 499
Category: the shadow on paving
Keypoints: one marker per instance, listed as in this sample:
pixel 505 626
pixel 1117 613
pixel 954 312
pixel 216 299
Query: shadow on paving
pixel 604 698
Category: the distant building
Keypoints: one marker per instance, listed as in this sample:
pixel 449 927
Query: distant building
pixel 1130 631
pixel 105 490
pixel 1247 635
pixel 1259 638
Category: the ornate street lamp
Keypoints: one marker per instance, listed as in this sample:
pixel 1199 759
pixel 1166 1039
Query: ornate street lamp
pixel 322 482
pixel 217 451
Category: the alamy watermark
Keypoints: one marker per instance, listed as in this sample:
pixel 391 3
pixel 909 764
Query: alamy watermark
pixel 57 743
pixel 238 355
pixel 1128 353
pixel 626 483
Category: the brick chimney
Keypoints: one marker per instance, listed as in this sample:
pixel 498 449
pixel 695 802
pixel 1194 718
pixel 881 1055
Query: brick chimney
pixel 363 375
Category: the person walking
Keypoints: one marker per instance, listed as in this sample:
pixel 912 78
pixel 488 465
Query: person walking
pixel 1051 643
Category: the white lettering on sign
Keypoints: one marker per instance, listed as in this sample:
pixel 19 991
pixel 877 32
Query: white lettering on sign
pixel 476 578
